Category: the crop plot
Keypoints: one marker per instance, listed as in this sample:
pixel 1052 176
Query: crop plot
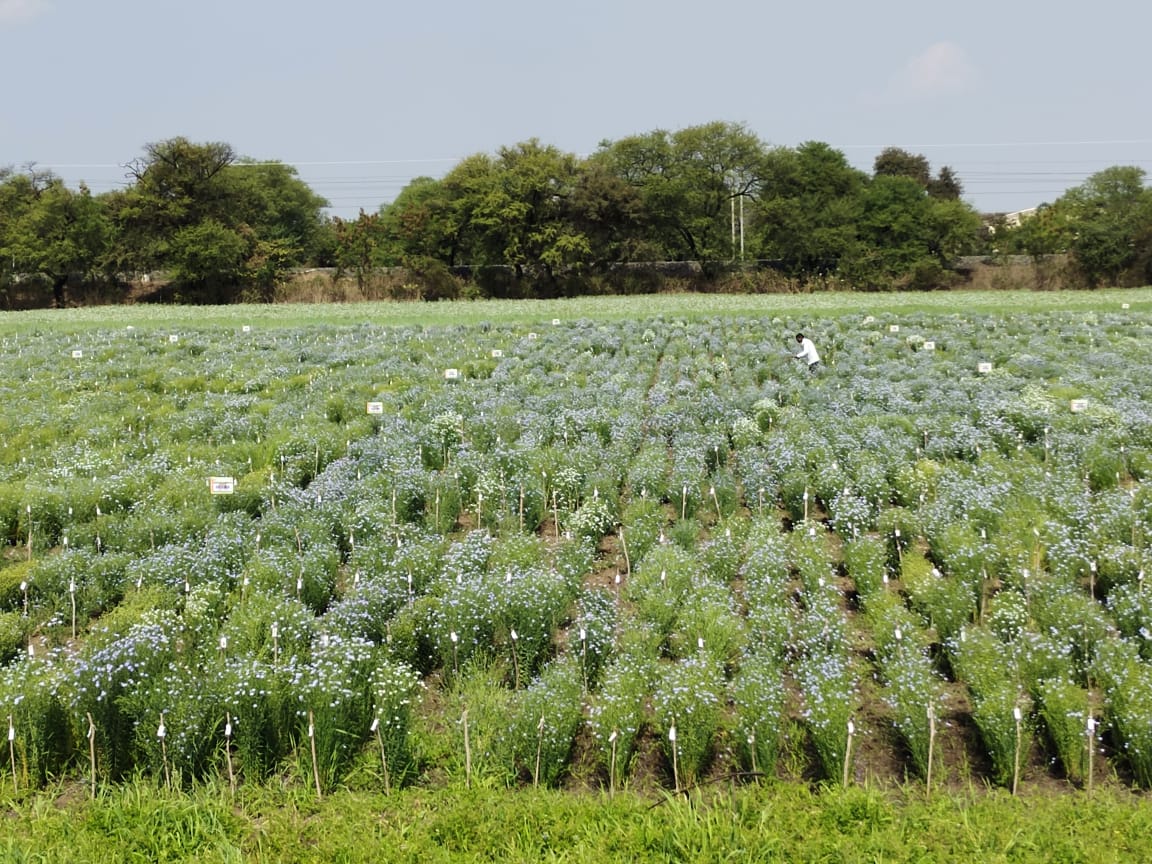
pixel 579 549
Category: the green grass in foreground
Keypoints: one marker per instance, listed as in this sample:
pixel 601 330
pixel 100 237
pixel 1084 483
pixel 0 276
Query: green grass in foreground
pixel 543 311
pixel 137 822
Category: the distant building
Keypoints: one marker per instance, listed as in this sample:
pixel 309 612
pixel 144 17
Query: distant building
pixel 1014 219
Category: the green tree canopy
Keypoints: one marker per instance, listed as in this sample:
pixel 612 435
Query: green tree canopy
pixel 688 181
pixel 49 230
pixel 256 218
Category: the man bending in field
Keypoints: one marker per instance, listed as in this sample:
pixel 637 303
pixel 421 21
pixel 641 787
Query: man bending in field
pixel 807 352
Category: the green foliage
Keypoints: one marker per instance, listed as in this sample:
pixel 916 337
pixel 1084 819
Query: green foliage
pixel 617 712
pixel 545 723
pixel 758 697
pixel 1065 711
pixel 688 708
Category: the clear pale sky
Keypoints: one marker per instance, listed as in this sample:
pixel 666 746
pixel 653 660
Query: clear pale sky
pixel 1022 98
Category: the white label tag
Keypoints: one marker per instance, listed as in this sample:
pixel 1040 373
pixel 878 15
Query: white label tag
pixel 983 368
pixel 929 346
pixel 893 328
pixel 451 374
pixel 1078 405
pixel 221 485
pixel 497 353
pixel 77 354
pixel 375 407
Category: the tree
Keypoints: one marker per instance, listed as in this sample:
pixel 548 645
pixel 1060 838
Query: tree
pixel 810 202
pixel 946 185
pixel 357 242
pixel 521 220
pixel 421 223
pixel 1110 214
pixel 50 230
pixel 257 218
pixel 689 181
pixel 271 200
pixel 909 239
pixel 895 162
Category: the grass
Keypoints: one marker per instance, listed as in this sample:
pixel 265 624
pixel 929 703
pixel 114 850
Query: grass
pixel 786 822
pixel 542 312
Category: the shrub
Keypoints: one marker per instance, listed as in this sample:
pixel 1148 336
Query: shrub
pixel 1064 711
pixel 546 721
pixel 758 697
pixel 689 698
pixel 617 712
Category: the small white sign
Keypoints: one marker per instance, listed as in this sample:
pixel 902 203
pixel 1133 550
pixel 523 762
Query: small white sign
pixel 1125 306
pixel 983 368
pixel 247 328
pixel 497 353
pixel 555 322
pixel 375 407
pixel 173 338
pixel 451 374
pixel 893 328
pixel 77 354
pixel 929 345
pixel 1078 405
pixel 869 320
pixel 221 485
pixel 531 335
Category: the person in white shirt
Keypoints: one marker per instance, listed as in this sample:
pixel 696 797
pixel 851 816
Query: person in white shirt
pixel 807 352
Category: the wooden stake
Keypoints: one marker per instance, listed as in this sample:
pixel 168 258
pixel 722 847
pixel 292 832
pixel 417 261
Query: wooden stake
pixel 1091 749
pixel 312 744
pixel 931 746
pixel 1016 756
pixel 162 734
pixel 848 751
pixel 228 753
pixel 92 750
pixel 612 764
pixel 12 751
pixel 467 751
pixel 383 755
pixel 539 747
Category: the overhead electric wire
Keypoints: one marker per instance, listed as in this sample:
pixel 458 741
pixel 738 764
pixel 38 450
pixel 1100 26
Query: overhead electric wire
pixel 983 179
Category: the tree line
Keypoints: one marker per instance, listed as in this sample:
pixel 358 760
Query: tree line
pixel 532 220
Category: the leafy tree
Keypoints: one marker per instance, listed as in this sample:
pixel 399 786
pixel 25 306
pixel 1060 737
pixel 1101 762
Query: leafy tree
pixel 522 221
pixel 810 203
pixel 895 162
pixel 421 223
pixel 271 200
pixel 256 219
pixel 907 237
pixel 207 252
pixel 688 181
pixel 609 212
pixel 946 185
pixel 50 230
pixel 357 242
pixel 1111 213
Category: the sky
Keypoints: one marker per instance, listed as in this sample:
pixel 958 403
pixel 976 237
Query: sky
pixel 1022 99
